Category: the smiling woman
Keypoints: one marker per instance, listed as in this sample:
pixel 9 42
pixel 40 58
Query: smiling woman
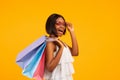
pixel 54 22
pixel 58 57
pixel 60 26
pixel 49 57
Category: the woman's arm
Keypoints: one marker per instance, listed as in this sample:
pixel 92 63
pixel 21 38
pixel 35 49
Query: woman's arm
pixel 74 48
pixel 51 61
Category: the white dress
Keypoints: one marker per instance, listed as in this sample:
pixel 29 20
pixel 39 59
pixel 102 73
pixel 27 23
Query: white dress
pixel 64 69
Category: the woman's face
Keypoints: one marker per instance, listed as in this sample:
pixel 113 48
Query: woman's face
pixel 60 26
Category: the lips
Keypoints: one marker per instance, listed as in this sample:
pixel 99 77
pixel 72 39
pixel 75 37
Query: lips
pixel 60 31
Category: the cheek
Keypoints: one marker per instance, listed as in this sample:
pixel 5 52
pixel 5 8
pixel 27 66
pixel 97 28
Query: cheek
pixel 56 27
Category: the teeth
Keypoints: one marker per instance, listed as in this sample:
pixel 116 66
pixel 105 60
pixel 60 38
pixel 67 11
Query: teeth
pixel 60 30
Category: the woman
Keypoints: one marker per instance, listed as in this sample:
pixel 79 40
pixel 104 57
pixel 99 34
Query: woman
pixel 58 57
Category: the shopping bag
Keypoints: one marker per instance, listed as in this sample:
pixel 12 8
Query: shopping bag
pixel 32 58
pixel 32 66
pixel 26 55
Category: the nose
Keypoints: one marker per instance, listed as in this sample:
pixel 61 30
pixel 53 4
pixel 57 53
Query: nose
pixel 62 26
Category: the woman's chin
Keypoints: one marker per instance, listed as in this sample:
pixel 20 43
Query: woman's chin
pixel 59 35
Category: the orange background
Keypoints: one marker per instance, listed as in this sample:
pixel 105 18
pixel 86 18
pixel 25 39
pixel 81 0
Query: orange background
pixel 96 25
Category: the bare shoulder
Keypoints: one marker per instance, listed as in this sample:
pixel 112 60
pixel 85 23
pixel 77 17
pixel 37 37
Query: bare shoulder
pixel 50 46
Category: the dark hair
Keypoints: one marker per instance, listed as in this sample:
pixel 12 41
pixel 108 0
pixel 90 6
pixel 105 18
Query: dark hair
pixel 50 24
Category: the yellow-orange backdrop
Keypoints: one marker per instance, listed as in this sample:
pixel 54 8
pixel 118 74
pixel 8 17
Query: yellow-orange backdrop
pixel 96 25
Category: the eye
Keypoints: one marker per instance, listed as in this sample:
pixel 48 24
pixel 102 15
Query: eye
pixel 60 23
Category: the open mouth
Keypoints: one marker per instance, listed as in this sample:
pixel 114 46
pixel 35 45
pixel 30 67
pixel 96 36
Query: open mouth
pixel 61 31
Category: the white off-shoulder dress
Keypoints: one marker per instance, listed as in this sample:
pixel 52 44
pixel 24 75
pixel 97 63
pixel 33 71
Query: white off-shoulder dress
pixel 64 69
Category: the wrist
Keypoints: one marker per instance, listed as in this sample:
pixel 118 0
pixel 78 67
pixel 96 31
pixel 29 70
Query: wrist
pixel 71 31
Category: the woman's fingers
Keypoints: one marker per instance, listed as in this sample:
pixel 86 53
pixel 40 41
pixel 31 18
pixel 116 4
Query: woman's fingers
pixel 57 41
pixel 69 26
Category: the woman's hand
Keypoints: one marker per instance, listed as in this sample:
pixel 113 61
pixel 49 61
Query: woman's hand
pixel 69 27
pixel 59 43
pixel 56 41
